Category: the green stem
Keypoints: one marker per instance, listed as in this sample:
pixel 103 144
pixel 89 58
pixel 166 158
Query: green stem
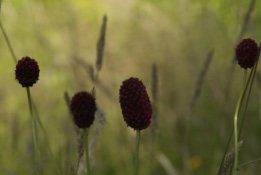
pixel 85 133
pixel 247 163
pixel 33 129
pixel 226 149
pixel 37 119
pixel 250 81
pixel 136 165
pixel 235 121
pixel 8 42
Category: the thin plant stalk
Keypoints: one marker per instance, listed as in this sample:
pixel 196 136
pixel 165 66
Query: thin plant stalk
pixel 250 162
pixel 8 42
pixel 85 134
pixel 235 121
pixel 249 83
pixel 33 128
pixel 46 138
pixel 251 79
pixel 136 164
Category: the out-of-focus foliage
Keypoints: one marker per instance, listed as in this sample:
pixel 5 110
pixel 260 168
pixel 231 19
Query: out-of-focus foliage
pixel 175 35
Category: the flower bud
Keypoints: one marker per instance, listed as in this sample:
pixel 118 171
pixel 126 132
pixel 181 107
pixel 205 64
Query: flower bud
pixel 83 108
pixel 246 53
pixel 27 71
pixel 135 104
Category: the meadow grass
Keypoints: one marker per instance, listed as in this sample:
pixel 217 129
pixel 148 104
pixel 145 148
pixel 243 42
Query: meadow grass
pixel 175 36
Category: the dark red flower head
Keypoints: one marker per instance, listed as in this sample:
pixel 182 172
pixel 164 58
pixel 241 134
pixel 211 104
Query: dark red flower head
pixel 27 71
pixel 83 108
pixel 246 53
pixel 135 104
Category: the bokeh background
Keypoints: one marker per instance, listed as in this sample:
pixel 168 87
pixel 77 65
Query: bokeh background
pixel 177 36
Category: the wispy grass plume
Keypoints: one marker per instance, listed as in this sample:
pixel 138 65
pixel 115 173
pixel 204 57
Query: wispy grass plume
pixel 229 160
pixel 155 86
pixel 154 129
pixel 98 126
pixel 78 132
pixel 87 67
pixel 100 44
pixel 72 170
pixel 91 72
pixel 197 89
pixel 15 132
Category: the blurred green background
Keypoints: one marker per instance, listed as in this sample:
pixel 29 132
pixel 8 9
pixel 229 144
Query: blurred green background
pixel 174 35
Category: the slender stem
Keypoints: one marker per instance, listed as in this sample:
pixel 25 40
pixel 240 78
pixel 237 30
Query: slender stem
pixel 247 163
pixel 226 149
pixel 37 119
pixel 136 165
pixel 250 81
pixel 235 121
pixel 8 42
pixel 85 134
pixel 33 129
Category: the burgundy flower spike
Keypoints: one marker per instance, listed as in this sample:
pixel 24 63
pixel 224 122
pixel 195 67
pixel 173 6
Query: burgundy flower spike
pixel 135 104
pixel 246 53
pixel 27 71
pixel 83 108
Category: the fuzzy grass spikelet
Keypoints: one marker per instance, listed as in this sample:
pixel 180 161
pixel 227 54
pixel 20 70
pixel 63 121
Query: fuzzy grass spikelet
pixel 101 43
pixel 229 160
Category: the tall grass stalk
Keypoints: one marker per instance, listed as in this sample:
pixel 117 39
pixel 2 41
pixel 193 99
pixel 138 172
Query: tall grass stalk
pixel 249 83
pixel 154 129
pixel 197 90
pixel 235 120
pixel 100 44
pixel 136 164
pixel 154 88
pixel 28 94
pixel 250 162
pixel 8 42
pixel 85 135
pixel 250 80
pixel 37 117
pixel 237 136
pixel 33 129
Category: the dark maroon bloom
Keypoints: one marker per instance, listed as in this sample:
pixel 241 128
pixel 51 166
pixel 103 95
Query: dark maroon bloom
pixel 83 108
pixel 135 104
pixel 246 53
pixel 27 71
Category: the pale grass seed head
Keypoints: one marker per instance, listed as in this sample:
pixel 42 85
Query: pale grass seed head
pixel 229 160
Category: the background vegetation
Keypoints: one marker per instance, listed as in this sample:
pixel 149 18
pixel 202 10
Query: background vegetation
pixel 175 35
